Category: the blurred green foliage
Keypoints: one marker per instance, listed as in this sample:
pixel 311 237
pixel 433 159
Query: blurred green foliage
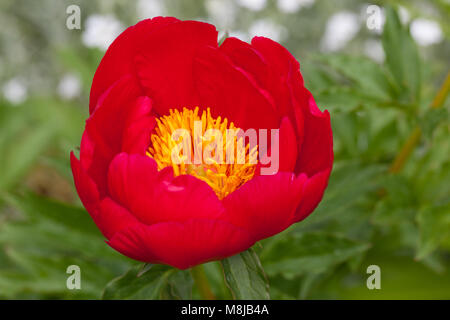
pixel 400 222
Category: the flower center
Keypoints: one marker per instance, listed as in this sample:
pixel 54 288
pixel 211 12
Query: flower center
pixel 211 149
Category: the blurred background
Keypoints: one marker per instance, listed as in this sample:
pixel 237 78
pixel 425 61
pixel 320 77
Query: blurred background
pixel 379 67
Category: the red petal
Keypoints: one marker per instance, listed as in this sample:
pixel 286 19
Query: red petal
pixel 112 218
pixel 138 129
pixel 94 162
pixel 119 58
pixel 181 245
pixel 277 56
pixel 86 188
pixel 312 194
pixel 158 196
pixel 245 57
pixel 287 146
pixel 231 92
pixel 312 127
pixel 316 152
pixel 107 123
pixel 283 68
pixel 266 204
pixel 165 63
pixel 123 122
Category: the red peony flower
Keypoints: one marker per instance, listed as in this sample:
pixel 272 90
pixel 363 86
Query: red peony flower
pixel 165 74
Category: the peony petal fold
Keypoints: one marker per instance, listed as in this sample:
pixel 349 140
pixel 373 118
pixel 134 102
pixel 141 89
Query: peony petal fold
pixel 119 58
pixel 111 218
pixel 316 151
pixel 313 192
pixel 153 196
pixel 122 123
pixel 312 127
pixel 231 92
pixel 86 187
pixel 165 63
pixel 181 245
pixel 120 107
pixel 266 204
pixel 287 146
pixel 247 58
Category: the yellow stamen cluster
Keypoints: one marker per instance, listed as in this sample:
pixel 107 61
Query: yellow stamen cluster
pixel 222 177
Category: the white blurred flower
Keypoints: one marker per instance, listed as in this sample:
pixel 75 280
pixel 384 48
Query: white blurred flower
pixel 403 14
pixel 374 50
pixel 69 87
pixel 222 12
pixel 292 6
pixel 341 28
pixel 426 32
pixel 268 28
pixel 254 5
pixel 241 35
pixel 150 8
pixel 15 91
pixel 101 30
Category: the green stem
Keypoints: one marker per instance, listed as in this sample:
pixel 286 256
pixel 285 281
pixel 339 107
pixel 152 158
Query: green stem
pixel 414 139
pixel 201 281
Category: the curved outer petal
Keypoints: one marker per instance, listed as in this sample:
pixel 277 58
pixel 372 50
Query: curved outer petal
pixel 112 218
pixel 154 196
pixel 181 245
pixel 313 127
pixel 165 67
pixel 123 122
pixel 270 64
pixel 312 194
pixel 245 57
pixel 119 58
pixel 306 142
pixel 232 92
pixel 287 146
pixel 316 152
pixel 122 105
pixel 277 73
pixel 160 52
pixel 107 215
pixel 272 210
pixel 86 188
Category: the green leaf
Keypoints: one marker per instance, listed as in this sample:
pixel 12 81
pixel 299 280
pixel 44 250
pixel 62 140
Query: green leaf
pixel 74 218
pixel 150 282
pixel 432 119
pixel 245 276
pixel 342 98
pixel 179 286
pixel 47 239
pixel 349 183
pixel 434 225
pixel 369 77
pixel 23 153
pixel 402 57
pixel 399 202
pixel 317 77
pixel 297 254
